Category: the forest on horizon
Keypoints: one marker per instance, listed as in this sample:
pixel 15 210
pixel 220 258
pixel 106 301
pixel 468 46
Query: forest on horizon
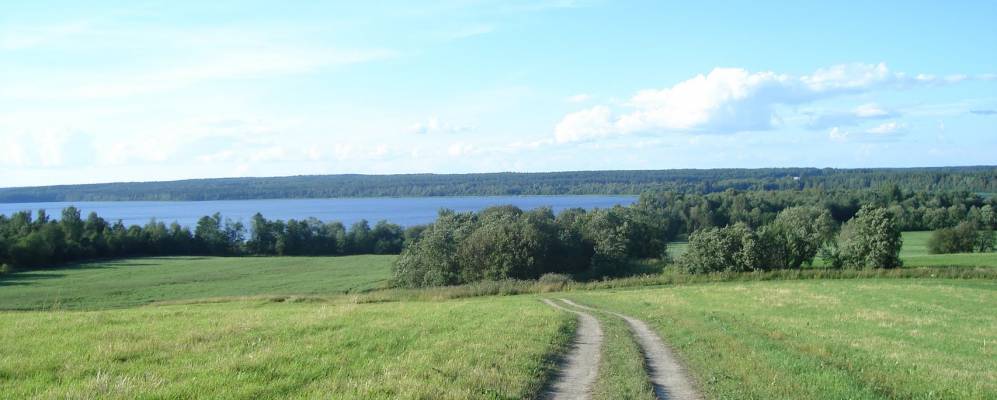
pixel 978 179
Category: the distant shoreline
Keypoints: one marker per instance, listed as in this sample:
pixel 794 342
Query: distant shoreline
pixel 605 183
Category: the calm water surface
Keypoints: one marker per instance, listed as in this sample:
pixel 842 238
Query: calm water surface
pixel 403 211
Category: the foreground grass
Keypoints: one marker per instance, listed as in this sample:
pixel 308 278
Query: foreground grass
pixel 131 282
pixel 621 366
pixel 857 339
pixel 483 348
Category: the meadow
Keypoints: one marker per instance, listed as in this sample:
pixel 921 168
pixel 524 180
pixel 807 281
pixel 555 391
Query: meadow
pixel 303 327
pixel 500 348
pixel 915 254
pixel 139 281
pixel 860 339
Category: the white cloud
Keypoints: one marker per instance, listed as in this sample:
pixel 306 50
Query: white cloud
pixel 838 135
pixel 433 125
pixel 887 128
pixel 865 112
pixel 586 124
pixel 232 65
pixel 579 98
pixel 731 100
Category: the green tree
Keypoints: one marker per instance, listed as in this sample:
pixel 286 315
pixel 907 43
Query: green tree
pixel 871 240
pixel 800 232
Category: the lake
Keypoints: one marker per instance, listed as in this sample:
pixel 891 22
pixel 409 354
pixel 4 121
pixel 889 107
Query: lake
pixel 405 211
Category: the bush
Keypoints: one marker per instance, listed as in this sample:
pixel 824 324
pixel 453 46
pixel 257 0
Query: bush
pixel 960 239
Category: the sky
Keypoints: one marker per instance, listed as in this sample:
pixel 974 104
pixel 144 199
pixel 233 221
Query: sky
pixel 102 91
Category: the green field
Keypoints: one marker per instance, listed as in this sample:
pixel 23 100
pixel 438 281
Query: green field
pixel 280 327
pixel 132 282
pixel 863 339
pixel 481 348
pixel 915 254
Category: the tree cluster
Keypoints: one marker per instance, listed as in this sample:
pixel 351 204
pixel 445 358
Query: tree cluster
pixel 797 235
pixel 963 238
pixel 509 243
pixel 28 241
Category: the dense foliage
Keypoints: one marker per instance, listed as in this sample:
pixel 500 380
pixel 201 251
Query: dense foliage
pixel 968 179
pixel 29 242
pixel 963 238
pixel 793 239
pixel 685 213
pixel 509 243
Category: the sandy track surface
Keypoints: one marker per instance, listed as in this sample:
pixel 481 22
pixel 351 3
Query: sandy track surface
pixel 581 365
pixel 670 380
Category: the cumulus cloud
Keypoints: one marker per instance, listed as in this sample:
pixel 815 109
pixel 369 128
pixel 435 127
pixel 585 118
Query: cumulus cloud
pixel 433 125
pixel 730 100
pixel 855 116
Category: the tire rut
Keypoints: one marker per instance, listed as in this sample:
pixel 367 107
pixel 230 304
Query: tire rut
pixel 580 366
pixel 669 379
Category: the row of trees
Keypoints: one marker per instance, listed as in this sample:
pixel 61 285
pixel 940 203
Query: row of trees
pixel 506 242
pixel 509 243
pixel 869 240
pixel 688 213
pixel 28 241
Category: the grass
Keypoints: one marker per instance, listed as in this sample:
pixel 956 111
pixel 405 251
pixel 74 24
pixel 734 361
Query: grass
pixel 498 348
pixel 858 339
pixel 132 282
pixel 915 254
pixel 621 365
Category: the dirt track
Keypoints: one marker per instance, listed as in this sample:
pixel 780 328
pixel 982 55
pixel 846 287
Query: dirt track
pixel 669 378
pixel 581 364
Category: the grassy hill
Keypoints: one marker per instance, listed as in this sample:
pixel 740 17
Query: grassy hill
pixel 858 339
pixel 133 282
pixel 480 348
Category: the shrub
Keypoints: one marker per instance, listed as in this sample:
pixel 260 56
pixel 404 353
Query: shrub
pixel 960 239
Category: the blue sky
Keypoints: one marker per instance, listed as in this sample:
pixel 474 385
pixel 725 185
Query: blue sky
pixel 134 91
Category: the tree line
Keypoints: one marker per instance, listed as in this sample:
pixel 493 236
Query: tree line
pixel 727 231
pixel 693 181
pixel 30 241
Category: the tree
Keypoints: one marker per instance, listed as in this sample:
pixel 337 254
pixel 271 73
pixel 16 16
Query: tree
pixel 960 239
pixel 871 240
pixel 388 238
pixel 359 239
pixel 732 248
pixel 800 232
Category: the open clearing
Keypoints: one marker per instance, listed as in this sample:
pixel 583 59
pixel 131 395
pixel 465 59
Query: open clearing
pixel 138 281
pixel 481 348
pixel 858 339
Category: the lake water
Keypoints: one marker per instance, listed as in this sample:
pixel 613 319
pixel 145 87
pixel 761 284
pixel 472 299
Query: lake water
pixel 404 211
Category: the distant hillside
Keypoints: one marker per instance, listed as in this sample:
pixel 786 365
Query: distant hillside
pixel 976 179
